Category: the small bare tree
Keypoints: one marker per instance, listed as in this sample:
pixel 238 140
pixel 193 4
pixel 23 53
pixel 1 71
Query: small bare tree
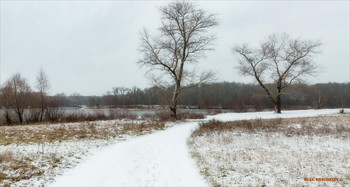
pixel 16 92
pixel 42 84
pixel 279 61
pixel 182 41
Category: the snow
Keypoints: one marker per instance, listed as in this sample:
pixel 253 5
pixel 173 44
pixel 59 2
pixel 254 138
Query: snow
pixel 44 156
pixel 272 159
pixel 269 114
pixel 159 159
pixel 241 158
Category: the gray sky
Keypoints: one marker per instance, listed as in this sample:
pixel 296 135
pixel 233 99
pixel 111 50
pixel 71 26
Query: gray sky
pixel 89 47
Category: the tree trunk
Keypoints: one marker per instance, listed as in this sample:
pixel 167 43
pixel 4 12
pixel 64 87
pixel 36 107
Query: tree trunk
pixel 278 104
pixel 173 109
pixel 8 117
pixel 42 107
pixel 278 99
pixel 173 105
pixel 41 114
pixel 20 116
pixel 19 112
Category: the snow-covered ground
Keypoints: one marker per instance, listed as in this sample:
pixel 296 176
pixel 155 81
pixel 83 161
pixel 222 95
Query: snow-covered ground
pixel 258 158
pixel 270 115
pixel 48 159
pixel 243 159
pixel 159 159
pixel 32 155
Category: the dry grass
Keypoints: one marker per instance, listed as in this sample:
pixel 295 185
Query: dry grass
pixel 29 152
pixel 279 152
pixel 22 167
pixel 166 116
pixel 58 115
pixel 62 132
pixel 143 127
pixel 325 125
pixel 16 166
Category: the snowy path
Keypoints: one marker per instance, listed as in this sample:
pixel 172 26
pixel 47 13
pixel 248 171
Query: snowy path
pixel 159 159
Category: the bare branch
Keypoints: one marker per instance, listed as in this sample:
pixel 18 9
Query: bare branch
pixel 282 59
pixel 181 42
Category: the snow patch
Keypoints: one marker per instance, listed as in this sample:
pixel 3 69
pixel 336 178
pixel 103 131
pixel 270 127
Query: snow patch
pixel 159 159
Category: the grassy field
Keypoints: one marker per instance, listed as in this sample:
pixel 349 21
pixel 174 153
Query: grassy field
pixel 276 152
pixel 34 154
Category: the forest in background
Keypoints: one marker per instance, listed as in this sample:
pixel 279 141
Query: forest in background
pixel 223 95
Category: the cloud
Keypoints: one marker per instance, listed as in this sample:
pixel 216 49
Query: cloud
pixel 91 46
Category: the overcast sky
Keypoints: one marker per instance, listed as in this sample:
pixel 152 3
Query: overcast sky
pixel 88 47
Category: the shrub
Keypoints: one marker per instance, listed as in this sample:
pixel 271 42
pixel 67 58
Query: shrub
pixel 166 116
pixel 190 115
pixel 54 114
pixel 7 118
pixel 321 126
pixel 73 117
pixel 124 114
pixel 32 116
pixel 96 116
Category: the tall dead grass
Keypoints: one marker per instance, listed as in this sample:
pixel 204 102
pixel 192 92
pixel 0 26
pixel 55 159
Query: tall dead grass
pixel 14 168
pixel 325 125
pixel 26 134
pixel 52 115
pixel 166 116
pixel 16 165
pixel 274 152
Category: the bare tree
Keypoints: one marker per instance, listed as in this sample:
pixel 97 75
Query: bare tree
pixel 182 41
pixel 16 92
pixel 278 60
pixel 42 84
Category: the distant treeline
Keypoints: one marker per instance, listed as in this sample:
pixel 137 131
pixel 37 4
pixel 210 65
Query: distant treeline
pixel 224 95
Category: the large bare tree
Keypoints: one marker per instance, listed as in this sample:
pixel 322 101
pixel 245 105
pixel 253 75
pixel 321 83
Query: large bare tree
pixel 42 84
pixel 182 40
pixel 278 61
pixel 16 93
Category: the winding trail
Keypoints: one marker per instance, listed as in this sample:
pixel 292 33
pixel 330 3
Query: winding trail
pixel 158 159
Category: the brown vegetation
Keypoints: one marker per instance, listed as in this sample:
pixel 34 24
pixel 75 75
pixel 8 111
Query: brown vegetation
pixel 22 167
pixel 16 165
pixel 54 115
pixel 165 116
pixel 61 132
pixel 325 125
pixel 273 152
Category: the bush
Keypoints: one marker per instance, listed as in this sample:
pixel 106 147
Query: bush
pixel 8 118
pixel 166 116
pixel 32 116
pixel 96 116
pixel 73 117
pixel 124 114
pixel 190 115
pixel 306 126
pixel 54 114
